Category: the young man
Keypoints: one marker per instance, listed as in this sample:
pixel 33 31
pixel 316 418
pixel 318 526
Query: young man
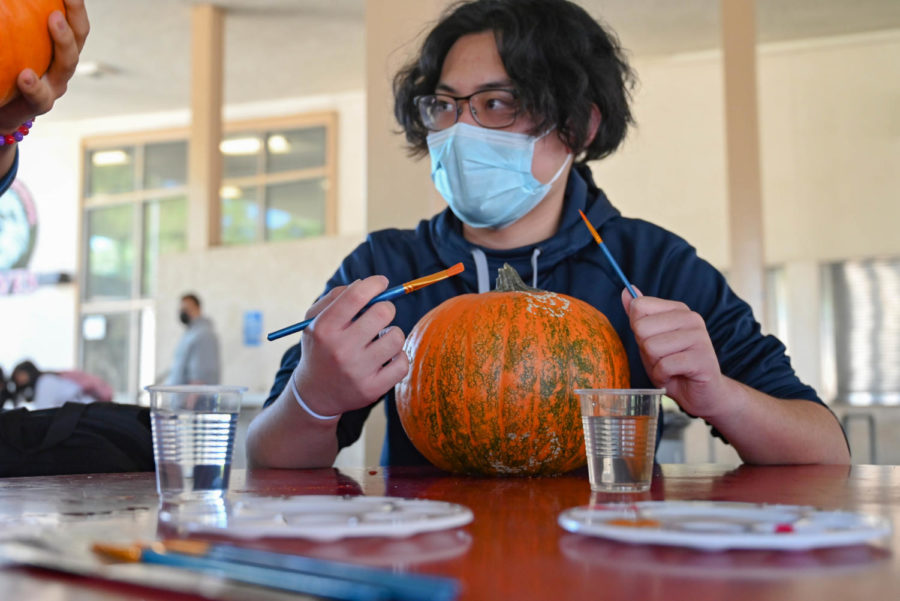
pixel 510 98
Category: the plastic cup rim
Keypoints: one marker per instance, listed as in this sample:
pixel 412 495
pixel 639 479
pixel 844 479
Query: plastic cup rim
pixel 631 391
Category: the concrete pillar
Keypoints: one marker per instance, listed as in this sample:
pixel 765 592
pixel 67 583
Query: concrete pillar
pixel 399 190
pixel 204 158
pixel 747 270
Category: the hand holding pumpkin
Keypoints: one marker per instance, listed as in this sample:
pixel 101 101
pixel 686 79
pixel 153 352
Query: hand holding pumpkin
pixel 37 92
pixel 347 362
pixel 678 354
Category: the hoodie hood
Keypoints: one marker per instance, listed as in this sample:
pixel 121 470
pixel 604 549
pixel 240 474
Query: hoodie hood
pixel 533 262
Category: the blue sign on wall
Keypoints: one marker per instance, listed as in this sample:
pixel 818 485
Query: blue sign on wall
pixel 253 328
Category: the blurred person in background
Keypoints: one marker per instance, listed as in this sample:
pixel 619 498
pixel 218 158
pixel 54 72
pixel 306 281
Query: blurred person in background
pixel 45 389
pixel 196 359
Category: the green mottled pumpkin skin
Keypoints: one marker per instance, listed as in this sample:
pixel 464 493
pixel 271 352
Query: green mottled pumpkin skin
pixel 492 377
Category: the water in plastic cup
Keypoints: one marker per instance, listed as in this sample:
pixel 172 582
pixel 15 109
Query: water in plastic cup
pixel 620 436
pixel 193 439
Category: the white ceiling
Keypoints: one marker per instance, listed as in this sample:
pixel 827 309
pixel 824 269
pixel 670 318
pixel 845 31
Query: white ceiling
pixel 293 48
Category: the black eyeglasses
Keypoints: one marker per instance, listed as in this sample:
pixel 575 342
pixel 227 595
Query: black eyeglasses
pixel 490 108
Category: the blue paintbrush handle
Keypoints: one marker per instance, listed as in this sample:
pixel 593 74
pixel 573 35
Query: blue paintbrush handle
pixel 309 584
pixel 618 269
pixel 402 586
pixel 389 294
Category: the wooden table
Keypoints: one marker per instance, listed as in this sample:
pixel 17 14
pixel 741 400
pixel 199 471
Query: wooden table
pixel 514 548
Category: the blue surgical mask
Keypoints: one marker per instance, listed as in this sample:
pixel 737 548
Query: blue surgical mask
pixel 485 174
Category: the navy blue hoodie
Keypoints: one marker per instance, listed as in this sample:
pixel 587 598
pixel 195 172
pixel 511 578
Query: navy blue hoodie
pixel 657 261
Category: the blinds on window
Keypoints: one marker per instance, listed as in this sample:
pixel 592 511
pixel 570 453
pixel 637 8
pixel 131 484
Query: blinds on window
pixel 866 306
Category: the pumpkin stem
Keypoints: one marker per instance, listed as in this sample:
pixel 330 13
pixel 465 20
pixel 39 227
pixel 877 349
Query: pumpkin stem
pixel 508 280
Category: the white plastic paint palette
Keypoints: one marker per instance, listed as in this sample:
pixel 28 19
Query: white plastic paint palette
pixel 724 525
pixel 332 517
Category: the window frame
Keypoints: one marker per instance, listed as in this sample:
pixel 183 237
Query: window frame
pixel 138 305
pixel 263 179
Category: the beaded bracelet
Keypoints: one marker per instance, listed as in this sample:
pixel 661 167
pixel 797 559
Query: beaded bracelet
pixel 17 135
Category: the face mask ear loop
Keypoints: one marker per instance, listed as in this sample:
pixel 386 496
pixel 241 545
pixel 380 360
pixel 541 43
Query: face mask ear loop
pixel 546 133
pixel 561 169
pixel 565 163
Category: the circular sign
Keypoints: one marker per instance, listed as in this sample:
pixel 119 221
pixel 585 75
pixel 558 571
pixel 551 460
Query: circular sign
pixel 18 226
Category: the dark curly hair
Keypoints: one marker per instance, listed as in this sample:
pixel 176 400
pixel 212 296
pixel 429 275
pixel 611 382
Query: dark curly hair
pixel 561 60
pixel 32 373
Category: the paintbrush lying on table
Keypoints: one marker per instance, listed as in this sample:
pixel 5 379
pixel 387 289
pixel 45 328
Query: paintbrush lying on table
pixel 322 578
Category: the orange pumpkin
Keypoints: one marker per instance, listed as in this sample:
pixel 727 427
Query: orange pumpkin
pixel 492 377
pixel 25 41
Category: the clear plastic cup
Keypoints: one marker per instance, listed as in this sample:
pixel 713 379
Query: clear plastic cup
pixel 193 439
pixel 620 436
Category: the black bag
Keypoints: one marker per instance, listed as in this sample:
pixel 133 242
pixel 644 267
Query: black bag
pixel 76 438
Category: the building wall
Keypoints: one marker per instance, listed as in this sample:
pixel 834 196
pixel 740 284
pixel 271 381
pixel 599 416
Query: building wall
pixel 830 147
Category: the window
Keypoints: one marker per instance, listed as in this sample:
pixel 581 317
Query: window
pixel 106 342
pixel 110 252
pixel 863 301
pixel 164 232
pixel 278 184
pixel 135 209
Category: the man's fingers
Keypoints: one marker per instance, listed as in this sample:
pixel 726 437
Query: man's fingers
pixel 677 321
pixel 352 300
pixel 667 343
pixel 324 301
pixel 36 97
pixel 65 53
pixel 78 21
pixel 374 319
pixel 648 305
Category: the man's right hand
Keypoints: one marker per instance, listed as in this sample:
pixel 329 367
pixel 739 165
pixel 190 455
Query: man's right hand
pixel 349 363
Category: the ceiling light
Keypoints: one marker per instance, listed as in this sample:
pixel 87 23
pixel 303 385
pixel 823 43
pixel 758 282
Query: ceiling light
pixel 278 144
pixel 109 158
pixel 94 327
pixel 230 192
pixel 240 146
pixel 94 69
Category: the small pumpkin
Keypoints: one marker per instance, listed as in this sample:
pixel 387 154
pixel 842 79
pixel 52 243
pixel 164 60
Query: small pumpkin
pixel 490 389
pixel 26 41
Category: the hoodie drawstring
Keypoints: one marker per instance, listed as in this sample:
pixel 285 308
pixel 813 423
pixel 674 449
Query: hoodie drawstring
pixel 481 269
pixel 534 269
